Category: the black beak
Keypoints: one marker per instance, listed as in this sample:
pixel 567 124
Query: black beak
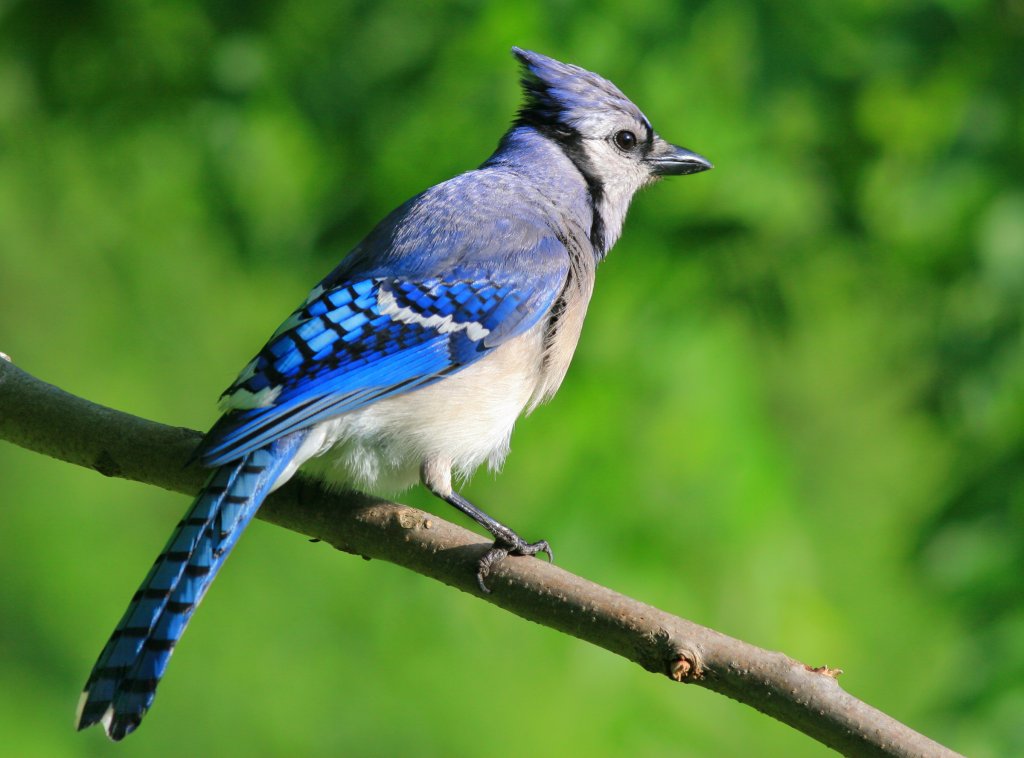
pixel 667 159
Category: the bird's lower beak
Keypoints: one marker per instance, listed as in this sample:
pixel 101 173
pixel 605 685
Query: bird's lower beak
pixel 667 159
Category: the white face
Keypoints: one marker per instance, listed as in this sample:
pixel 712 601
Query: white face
pixel 615 144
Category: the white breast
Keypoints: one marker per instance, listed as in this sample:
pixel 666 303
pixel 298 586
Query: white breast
pixel 466 418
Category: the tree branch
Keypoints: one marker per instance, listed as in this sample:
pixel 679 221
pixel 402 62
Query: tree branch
pixel 43 418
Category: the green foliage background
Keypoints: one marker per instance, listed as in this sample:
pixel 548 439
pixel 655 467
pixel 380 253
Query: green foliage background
pixel 795 415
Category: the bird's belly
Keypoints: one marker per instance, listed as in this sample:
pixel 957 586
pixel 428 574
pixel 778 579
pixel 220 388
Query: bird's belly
pixel 465 418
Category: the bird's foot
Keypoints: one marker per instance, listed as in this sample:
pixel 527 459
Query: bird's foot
pixel 506 541
pixel 503 547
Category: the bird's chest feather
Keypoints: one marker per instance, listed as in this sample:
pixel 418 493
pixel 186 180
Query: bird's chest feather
pixel 565 324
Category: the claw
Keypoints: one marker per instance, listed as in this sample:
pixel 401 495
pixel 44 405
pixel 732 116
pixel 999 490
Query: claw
pixel 541 547
pixel 499 551
pixel 483 567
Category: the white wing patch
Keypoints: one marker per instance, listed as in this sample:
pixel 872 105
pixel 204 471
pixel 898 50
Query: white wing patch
pixel 444 324
pixel 81 707
pixel 248 372
pixel 297 318
pixel 289 323
pixel 108 718
pixel 243 399
pixel 314 293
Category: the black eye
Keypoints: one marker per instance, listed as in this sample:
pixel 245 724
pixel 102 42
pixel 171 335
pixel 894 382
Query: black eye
pixel 625 139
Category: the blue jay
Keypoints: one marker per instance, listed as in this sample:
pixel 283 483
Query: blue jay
pixel 413 359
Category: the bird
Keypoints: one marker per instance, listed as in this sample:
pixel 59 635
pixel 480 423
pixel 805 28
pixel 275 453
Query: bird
pixel 412 360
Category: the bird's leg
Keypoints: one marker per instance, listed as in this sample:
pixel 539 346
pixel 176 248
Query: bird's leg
pixel 506 541
pixel 437 479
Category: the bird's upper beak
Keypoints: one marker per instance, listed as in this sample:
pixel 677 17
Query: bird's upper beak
pixel 667 159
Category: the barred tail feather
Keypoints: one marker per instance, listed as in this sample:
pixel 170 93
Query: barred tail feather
pixel 123 682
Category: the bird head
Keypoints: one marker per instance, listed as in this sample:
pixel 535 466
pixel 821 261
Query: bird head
pixel 608 138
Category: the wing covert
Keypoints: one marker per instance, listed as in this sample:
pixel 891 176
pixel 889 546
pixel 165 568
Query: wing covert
pixel 369 338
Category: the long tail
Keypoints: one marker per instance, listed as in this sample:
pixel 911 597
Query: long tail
pixel 123 682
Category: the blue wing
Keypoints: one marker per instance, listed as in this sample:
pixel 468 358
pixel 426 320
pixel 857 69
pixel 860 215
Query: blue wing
pixel 364 338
